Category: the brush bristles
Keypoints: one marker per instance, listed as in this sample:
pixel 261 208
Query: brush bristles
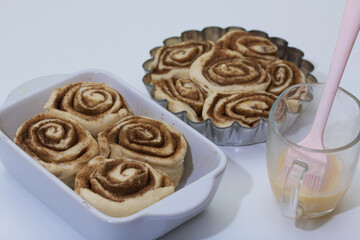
pixel 310 181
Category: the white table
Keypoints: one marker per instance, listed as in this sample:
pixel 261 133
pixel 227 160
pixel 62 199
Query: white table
pixel 42 37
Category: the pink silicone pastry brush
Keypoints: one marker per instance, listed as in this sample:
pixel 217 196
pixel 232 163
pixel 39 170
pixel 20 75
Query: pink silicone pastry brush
pixel 318 161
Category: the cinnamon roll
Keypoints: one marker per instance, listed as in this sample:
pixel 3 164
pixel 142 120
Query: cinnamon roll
pixel 248 45
pixel 95 106
pixel 229 71
pixel 292 102
pixel 174 61
pixel 247 108
pixel 283 75
pixel 296 96
pixel 182 94
pixel 120 187
pixel 280 110
pixel 59 144
pixel 147 140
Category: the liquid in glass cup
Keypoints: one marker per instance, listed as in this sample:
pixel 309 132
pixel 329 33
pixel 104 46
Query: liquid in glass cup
pixel 290 121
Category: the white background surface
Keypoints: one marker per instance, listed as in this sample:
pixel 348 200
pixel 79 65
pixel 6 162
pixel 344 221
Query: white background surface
pixel 50 37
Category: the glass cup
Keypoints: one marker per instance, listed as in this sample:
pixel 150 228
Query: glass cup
pixel 290 120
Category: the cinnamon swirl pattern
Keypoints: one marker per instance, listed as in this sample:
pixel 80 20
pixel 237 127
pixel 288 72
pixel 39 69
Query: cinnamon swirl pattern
pixel 280 111
pixel 174 61
pixel 59 144
pixel 283 75
pixel 147 140
pixel 121 187
pixel 294 98
pixel 95 106
pixel 182 94
pixel 248 45
pixel 292 102
pixel 247 108
pixel 228 71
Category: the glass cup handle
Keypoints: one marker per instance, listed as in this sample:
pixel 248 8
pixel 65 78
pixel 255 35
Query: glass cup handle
pixel 291 188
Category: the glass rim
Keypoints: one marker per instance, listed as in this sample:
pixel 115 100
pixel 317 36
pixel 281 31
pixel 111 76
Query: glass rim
pixel 295 145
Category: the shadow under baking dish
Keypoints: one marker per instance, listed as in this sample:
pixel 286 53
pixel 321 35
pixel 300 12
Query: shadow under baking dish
pixel 204 165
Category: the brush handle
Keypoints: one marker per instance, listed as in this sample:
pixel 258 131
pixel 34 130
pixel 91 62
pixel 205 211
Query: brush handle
pixel 348 31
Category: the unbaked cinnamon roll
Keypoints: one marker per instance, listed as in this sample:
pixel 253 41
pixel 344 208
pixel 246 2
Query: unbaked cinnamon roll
pixel 59 144
pixel 247 108
pixel 182 94
pixel 248 45
pixel 174 61
pixel 229 71
pixel 120 187
pixel 283 75
pixel 296 96
pixel 95 106
pixel 280 110
pixel 292 102
pixel 147 140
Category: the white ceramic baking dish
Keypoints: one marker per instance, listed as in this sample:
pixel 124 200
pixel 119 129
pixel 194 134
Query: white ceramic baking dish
pixel 204 165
